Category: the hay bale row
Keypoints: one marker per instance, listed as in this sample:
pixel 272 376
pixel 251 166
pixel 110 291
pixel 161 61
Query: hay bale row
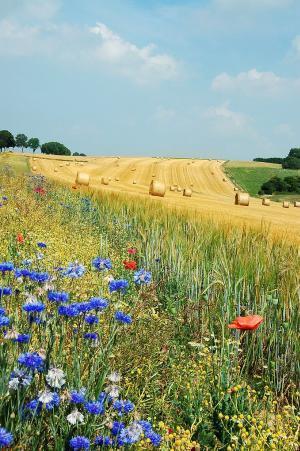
pixel 82 179
pixel 297 204
pixel 266 202
pixel 285 204
pixel 242 199
pixel 157 188
pixel 187 192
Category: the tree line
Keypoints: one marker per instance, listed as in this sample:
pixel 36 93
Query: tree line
pixel 8 140
pixel 292 161
pixel 281 185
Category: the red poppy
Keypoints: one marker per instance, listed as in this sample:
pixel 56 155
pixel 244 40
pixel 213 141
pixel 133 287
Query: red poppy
pixel 40 190
pixel 170 431
pixel 20 238
pixel 132 251
pixel 130 264
pixel 250 322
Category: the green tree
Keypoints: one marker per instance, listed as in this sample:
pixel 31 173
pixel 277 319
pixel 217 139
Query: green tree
pixel 55 148
pixel 75 154
pixel 33 143
pixel 6 140
pixel 21 141
pixel 291 163
pixel 294 153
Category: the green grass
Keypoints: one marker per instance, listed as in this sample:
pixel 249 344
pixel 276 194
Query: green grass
pixel 250 178
pixel 16 163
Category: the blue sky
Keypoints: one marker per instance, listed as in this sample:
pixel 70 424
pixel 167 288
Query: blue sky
pixel 210 78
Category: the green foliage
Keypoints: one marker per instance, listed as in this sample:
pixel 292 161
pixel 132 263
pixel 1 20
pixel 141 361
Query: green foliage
pixel 55 148
pixel 76 154
pixel 279 185
pixel 291 163
pixel 251 179
pixel 33 143
pixel 269 160
pixel 6 140
pixel 295 152
pixel 21 140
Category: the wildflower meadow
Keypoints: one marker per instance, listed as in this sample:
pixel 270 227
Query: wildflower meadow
pixel 124 326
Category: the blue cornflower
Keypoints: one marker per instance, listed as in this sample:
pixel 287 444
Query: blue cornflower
pixel 102 263
pixel 157 259
pixel 27 262
pixel 39 276
pixel 118 285
pixel 2 311
pixel 4 321
pixel 4 198
pixel 41 244
pixel 68 310
pixel 91 319
pixel 98 303
pixel 142 276
pixel 6 438
pixel 33 306
pixel 32 361
pixel 22 272
pixel 121 406
pixel 6 291
pixel 103 440
pixel 79 442
pixel 94 407
pixel 155 438
pixel 34 405
pixel 74 270
pixel 117 427
pixel 131 434
pixel 22 338
pixel 49 399
pixel 122 318
pixel 146 425
pixel 55 296
pixel 77 397
pixel 83 307
pixel 33 319
pixel 19 378
pixel 6 266
pixel 91 336
pixel 39 255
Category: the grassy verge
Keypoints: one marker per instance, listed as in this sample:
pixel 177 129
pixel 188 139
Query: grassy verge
pixel 251 178
pixel 199 383
pixel 16 164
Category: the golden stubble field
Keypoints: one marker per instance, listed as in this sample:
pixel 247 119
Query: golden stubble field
pixel 213 193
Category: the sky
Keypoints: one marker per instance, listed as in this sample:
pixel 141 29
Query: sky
pixel 190 78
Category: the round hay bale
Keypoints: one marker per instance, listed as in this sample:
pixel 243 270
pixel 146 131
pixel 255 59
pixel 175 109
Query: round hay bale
pixel 134 182
pixel 68 163
pixel 61 165
pixel 109 179
pixel 212 173
pixel 55 170
pixel 105 180
pixel 187 192
pixel 157 188
pixel 266 202
pixel 34 168
pixel 153 175
pixel 235 189
pixel 34 159
pixel 172 188
pixel 191 185
pixel 82 179
pixel 242 199
pixel 224 180
pixel 179 189
pixel 117 179
pixel 133 169
pixel 81 164
pixel 285 204
pixel 297 204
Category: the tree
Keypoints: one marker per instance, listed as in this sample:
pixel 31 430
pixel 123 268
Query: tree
pixel 75 154
pixel 276 160
pixel 21 140
pixel 294 153
pixel 55 148
pixel 291 163
pixel 6 140
pixel 33 143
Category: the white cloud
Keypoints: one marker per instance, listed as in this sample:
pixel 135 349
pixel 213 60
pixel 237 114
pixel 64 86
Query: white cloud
pixel 253 81
pixel 140 63
pixel 42 9
pixel 227 118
